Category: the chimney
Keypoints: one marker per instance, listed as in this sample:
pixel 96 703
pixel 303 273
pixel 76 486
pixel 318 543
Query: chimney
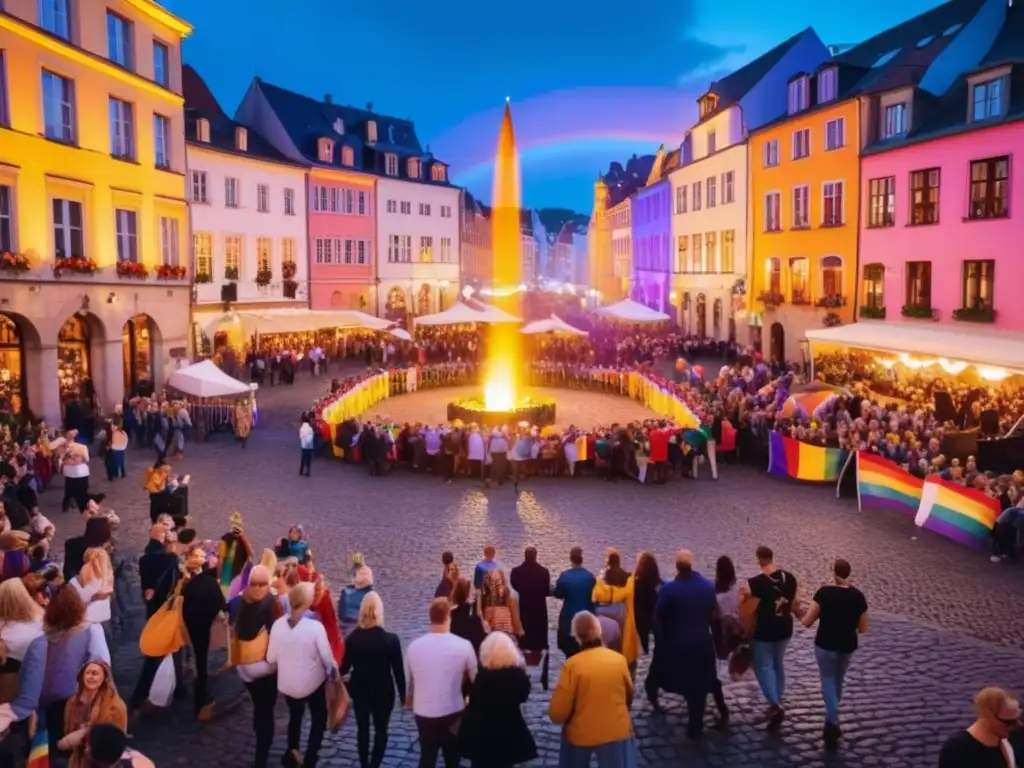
pixel 369 106
pixel 328 99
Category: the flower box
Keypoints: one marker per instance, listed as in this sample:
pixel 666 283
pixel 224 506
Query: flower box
pixel 289 269
pixel 975 315
pixel 872 313
pixel 132 270
pixel 230 273
pixel 77 264
pixel 14 262
pixel 203 277
pixel 264 276
pixel 171 272
pixel 831 320
pixel 290 289
pixel 771 299
pixel 922 313
pixel 831 302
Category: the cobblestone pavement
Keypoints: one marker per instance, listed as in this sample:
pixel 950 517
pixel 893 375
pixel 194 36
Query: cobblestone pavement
pixel 945 621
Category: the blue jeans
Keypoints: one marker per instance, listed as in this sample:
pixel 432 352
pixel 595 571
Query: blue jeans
pixel 832 667
pixel 616 754
pixel 769 669
pixel 115 464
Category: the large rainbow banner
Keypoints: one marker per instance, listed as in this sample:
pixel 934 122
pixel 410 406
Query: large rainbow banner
pixel 882 483
pixel 361 397
pixel 802 461
pixel 957 512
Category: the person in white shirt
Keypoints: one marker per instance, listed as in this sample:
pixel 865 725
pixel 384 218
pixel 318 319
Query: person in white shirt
pixel 75 468
pixel 299 647
pixel 306 444
pixel 439 665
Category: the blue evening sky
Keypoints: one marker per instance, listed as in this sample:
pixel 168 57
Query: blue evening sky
pixel 449 64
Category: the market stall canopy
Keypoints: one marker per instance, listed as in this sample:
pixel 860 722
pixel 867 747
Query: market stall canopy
pixel 1003 349
pixel 553 324
pixel 296 321
pixel 401 333
pixel 460 313
pixel 204 379
pixel 631 311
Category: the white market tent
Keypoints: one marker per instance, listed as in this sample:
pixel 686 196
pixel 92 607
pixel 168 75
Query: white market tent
pixel 401 333
pixel 297 320
pixel 460 313
pixel 553 324
pixel 1002 349
pixel 631 311
pixel 204 379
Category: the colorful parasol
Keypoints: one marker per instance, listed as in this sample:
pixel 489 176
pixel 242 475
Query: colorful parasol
pixel 808 400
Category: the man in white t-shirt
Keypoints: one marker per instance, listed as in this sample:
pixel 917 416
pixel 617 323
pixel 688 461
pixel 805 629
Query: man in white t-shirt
pixel 439 664
pixel 75 468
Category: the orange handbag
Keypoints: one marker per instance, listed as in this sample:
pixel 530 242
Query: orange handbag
pixel 165 631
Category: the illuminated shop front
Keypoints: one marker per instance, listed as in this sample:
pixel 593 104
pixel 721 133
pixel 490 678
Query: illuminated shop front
pixel 12 365
pixel 74 357
pixel 136 338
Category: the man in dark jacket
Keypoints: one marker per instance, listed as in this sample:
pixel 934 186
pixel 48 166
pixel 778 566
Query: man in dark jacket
pixel 533 583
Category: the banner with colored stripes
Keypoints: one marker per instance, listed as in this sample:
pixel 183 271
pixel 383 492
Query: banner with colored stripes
pixel 882 483
pixel 957 512
pixel 792 458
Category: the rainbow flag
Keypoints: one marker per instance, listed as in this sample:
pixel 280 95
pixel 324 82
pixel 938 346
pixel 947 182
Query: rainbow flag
pixel 881 483
pixel 39 755
pixel 958 513
pixel 802 461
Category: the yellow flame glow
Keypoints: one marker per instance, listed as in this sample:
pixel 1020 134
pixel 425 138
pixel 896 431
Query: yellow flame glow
pixel 498 396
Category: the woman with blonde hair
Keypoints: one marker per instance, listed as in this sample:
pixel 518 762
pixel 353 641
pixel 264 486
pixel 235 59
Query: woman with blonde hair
pixel 95 584
pixel 493 732
pixel 498 606
pixel 95 701
pixel 21 622
pixel 373 661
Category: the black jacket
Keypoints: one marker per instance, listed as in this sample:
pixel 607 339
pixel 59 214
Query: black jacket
pixel 202 601
pixel 158 570
pixel 493 731
pixel 468 626
pixel 533 583
pixel 374 657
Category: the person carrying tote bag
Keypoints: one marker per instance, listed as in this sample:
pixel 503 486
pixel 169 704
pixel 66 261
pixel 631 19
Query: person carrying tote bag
pixel 165 631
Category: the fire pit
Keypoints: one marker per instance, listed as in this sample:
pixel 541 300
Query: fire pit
pixel 539 411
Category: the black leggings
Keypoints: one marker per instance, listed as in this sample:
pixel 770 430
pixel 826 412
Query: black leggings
pixel 76 489
pixel 317 702
pixel 264 696
pixel 381 716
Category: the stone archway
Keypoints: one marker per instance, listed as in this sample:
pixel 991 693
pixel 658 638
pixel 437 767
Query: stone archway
pixel 141 342
pixel 81 365
pixel 778 343
pixel 20 348
pixel 396 306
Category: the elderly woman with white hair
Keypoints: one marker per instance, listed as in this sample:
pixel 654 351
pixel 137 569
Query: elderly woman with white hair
pixel 493 732
pixel 373 661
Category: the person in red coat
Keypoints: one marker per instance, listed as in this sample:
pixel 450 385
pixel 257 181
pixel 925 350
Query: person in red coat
pixel 657 467
pixel 323 607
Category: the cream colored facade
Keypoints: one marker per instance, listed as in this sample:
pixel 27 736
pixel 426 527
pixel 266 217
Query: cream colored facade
pixel 622 249
pixel 78 183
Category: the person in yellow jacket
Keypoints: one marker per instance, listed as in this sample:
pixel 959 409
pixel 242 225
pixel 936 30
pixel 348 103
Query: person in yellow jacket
pixel 155 483
pixel 605 594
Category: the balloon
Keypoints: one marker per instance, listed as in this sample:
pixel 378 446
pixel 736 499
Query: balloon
pixel 680 364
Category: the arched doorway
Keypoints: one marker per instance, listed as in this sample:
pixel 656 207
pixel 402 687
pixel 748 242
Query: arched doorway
pixel 139 337
pixel 396 307
pixel 423 300
pixel 74 358
pixel 778 343
pixel 12 367
pixel 702 315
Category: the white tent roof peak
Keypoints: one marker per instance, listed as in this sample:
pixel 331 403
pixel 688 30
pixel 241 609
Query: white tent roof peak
pixel 553 324
pixel 460 313
pixel 204 379
pixel 633 312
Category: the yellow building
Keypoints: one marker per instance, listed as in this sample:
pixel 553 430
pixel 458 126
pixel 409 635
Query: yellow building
pixel 92 199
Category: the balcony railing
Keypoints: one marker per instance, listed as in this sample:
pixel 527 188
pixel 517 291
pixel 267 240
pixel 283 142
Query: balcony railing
pixel 975 314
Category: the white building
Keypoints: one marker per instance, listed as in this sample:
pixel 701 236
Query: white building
pixel 418 242
pixel 709 190
pixel 248 205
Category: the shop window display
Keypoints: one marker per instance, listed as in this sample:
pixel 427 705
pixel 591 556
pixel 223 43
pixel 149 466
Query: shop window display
pixel 73 358
pixel 12 367
pixel 138 354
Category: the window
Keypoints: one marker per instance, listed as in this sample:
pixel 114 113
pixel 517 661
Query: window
pixel 708 105
pixel 122 130
pixel 773 212
pixel 119 40
pixel 412 167
pixel 391 164
pixel 231 192
pixel 6 219
pixel 348 156
pixel 446 250
pixel 697 263
pixel 405 207
pixel 712 181
pixel 989 188
pixel 919 284
pixel 728 187
pixel 262 198
pixel 771 153
pixel 199 187
pixel 773 268
pixel 832 210
pixel 202 253
pixel 127 235
pixel 799 91
pixel 4 117
pixel 801 207
pixel 337 201
pixel 979 284
pixel 233 254
pixel 424 209
pixel 289 201
pixel 882 202
pixel 371 130
pixel 58 107
pixel 161 64
pixel 712 142
pixel 392 206
pixel 987 99
pixel 681 198
pixel 728 251
pixel 831 277
pixel 322 247
pixel 427 250
pixel 67 228
pixel 826 85
pixel 798 276
pixel 710 252
pixel 288 250
pixel 924 196
pixel 169 249
pixel 203 130
pixel 801 143
pixel 438 172
pixel 894 121
pixel 873 286
pixel 325 150
pixel 55 17
pixel 320 199
pixel 397 252
pixel 698 195
pixel 264 254
pixel 161 141
pixel 835 134
pixel 361 203
pixel 363 247
pixel 682 248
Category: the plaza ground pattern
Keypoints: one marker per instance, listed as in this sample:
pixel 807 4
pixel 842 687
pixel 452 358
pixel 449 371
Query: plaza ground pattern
pixel 944 620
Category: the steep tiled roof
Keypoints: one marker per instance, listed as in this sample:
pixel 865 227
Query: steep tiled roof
pixel 1009 45
pixel 307 120
pixel 624 181
pixel 201 103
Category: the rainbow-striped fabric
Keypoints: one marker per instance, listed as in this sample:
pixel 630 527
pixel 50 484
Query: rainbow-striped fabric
pixel 39 754
pixel 958 513
pixel 882 483
pixel 802 461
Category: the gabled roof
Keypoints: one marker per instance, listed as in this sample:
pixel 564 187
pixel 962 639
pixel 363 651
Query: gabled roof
pixel 1008 47
pixel 307 120
pixel 200 103
pixel 624 181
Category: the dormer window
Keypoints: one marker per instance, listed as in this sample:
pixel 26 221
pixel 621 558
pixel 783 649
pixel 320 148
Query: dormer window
pixel 826 85
pixel 203 130
pixel 987 99
pixel 391 164
pixel 339 126
pixel 371 130
pixel 708 104
pixel 241 139
pixel 391 134
pixel 348 156
pixel 413 168
pixel 894 121
pixel 799 90
pixel 439 173
pixel 325 150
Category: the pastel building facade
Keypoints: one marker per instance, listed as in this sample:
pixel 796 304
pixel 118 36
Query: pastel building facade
pixel 476 269
pixel 92 163
pixel 651 224
pixel 941 191
pixel 710 204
